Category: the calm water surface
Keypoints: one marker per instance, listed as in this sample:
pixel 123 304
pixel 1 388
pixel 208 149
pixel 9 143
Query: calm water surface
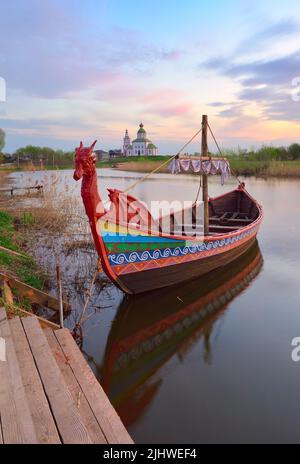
pixel 211 360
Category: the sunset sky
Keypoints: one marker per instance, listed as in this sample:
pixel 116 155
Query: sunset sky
pixel 90 69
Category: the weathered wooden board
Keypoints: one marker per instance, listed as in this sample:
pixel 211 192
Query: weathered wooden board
pixel 12 252
pixel 17 423
pixel 48 393
pixel 1 437
pixel 6 292
pixel 9 424
pixel 34 295
pixel 67 417
pixel 79 398
pixel 43 322
pixel 107 417
pixel 41 414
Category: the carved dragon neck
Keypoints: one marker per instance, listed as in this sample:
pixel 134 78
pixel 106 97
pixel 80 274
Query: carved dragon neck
pixel 90 195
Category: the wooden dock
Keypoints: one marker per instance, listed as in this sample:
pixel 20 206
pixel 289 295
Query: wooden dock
pixel 12 189
pixel 48 393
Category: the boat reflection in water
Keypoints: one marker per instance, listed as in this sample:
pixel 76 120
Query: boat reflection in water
pixel 149 330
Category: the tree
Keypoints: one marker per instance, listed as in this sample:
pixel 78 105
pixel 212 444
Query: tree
pixel 294 151
pixel 49 156
pixel 2 139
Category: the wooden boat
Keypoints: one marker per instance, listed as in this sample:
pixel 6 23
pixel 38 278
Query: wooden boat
pixel 140 343
pixel 139 256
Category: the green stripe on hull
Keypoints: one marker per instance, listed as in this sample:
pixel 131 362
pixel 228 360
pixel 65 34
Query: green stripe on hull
pixel 128 247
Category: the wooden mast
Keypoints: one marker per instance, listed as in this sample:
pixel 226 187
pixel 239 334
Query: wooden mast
pixel 204 153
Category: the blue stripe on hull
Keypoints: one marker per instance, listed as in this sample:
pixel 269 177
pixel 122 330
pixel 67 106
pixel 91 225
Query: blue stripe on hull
pixel 109 237
pixel 140 256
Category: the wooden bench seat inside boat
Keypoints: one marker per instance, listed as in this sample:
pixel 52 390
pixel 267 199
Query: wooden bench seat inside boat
pixel 227 213
pixel 235 208
pixel 193 231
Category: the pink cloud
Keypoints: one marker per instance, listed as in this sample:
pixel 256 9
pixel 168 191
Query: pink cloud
pixel 66 53
pixel 162 95
pixel 171 110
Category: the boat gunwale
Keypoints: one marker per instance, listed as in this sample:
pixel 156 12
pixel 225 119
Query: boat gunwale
pixel 202 238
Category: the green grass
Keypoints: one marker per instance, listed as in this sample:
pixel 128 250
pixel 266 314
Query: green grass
pixel 27 218
pixel 6 260
pixel 271 168
pixel 6 221
pixel 6 231
pixel 248 167
pixel 23 267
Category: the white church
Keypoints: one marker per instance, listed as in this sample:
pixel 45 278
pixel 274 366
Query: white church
pixel 141 146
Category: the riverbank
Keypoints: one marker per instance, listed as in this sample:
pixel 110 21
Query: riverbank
pixel 242 167
pixel 18 268
pixel 52 229
pixel 17 263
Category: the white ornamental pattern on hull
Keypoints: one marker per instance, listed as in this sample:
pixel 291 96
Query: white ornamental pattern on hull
pixel 146 255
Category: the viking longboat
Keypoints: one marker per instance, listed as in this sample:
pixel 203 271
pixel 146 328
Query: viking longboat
pixel 140 343
pixel 136 252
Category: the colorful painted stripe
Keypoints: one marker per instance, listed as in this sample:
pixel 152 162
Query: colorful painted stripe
pixel 120 247
pixel 157 254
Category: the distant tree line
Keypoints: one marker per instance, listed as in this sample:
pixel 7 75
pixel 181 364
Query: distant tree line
pixel 269 153
pixel 45 155
pixel 50 157
pixel 2 144
pixel 53 157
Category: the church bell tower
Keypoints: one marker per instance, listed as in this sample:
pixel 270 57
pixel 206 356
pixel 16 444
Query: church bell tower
pixel 126 143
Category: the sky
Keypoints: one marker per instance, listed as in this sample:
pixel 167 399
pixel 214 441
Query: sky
pixel 84 70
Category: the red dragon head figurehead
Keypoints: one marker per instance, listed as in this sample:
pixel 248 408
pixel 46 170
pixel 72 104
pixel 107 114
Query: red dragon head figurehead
pixel 85 161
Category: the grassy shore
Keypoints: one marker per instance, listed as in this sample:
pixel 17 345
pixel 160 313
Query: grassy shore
pixel 242 167
pixel 22 267
pixel 239 166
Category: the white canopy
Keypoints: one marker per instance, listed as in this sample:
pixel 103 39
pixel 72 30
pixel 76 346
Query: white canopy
pixel 209 167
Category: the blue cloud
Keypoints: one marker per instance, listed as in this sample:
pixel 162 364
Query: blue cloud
pixel 272 32
pixel 266 82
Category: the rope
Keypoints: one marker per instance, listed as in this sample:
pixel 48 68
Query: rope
pixel 199 188
pixel 161 165
pixel 232 170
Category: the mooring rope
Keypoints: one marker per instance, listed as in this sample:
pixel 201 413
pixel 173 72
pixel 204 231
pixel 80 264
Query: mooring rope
pixel 163 164
pixel 219 149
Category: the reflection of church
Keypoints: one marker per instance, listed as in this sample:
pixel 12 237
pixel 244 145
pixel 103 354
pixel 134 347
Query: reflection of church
pixel 141 146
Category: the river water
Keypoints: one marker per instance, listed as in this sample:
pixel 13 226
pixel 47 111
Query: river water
pixel 209 361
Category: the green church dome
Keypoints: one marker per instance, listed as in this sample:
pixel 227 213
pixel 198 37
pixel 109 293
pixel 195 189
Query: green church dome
pixel 151 146
pixel 141 129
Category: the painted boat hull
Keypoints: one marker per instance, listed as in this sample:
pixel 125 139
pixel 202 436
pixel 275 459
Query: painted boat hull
pixel 138 261
pixel 171 275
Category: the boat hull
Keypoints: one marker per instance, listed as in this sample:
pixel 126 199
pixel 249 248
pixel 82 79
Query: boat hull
pixel 139 282
pixel 138 260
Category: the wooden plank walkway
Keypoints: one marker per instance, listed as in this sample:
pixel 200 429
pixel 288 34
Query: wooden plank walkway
pixel 48 393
